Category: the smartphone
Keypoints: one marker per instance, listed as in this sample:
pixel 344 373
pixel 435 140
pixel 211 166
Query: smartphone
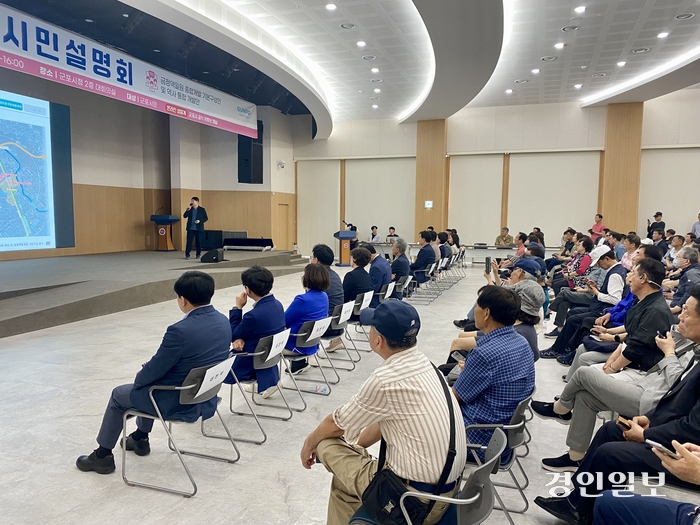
pixel 662 336
pixel 662 449
pixel 488 264
pixel 457 356
pixel 623 423
pixel 595 337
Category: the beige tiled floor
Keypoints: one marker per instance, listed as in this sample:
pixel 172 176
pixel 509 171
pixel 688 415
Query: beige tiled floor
pixel 55 383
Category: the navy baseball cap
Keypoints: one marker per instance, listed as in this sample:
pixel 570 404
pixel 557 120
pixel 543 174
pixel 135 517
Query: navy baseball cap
pixel 528 265
pixel 393 319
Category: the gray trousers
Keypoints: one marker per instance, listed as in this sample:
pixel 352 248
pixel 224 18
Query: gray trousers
pixel 119 402
pixel 585 358
pixel 565 300
pixel 590 391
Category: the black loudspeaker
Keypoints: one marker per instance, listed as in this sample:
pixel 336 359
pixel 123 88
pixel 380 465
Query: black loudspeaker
pixel 213 256
pixel 250 154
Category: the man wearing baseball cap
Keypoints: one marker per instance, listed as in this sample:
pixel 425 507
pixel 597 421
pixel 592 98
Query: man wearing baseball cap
pixel 402 402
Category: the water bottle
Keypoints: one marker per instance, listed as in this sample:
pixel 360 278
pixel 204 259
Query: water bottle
pixel 321 389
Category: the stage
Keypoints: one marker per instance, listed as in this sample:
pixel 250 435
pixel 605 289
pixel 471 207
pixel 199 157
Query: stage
pixel 40 293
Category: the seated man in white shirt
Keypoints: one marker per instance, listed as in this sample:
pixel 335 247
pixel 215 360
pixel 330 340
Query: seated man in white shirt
pixel 403 402
pixel 374 236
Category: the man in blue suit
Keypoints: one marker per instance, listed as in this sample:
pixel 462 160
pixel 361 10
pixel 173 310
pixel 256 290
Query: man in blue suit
pixel 426 257
pixel 379 273
pixel 265 319
pixel 202 338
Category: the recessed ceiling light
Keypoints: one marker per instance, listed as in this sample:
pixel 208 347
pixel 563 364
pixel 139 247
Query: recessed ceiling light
pixel 639 50
pixel 548 58
pixel 584 67
pixel 375 70
pixel 598 75
pixel 331 7
pixel 156 50
pixel 369 57
pixel 575 18
pixel 621 64
pixel 566 29
pixel 374 106
pixel 126 15
pixel 535 71
pixel 684 16
pixel 559 45
pixel 361 43
pixel 580 9
pixel 347 26
pixel 509 91
pixel 376 80
pixel 89 20
pixel 578 86
pixel 375 98
pixel 663 34
pixel 377 90
pixel 361 91
pixel 521 81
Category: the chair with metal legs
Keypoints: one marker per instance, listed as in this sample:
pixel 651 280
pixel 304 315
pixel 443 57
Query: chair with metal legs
pixel 401 284
pixel 200 385
pixel 475 500
pixel 516 438
pixel 341 315
pixel 386 292
pixel 362 301
pixel 267 354
pixel 309 336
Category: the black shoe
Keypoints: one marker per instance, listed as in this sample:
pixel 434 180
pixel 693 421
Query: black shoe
pixel 557 398
pixel 553 334
pixel 197 256
pixel 550 354
pixel 546 411
pixel 140 448
pixel 93 463
pixel 567 359
pixel 559 508
pixel 187 257
pixel 460 323
pixel 561 464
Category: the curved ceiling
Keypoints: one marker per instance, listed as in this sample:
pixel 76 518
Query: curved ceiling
pixel 601 47
pixel 467 38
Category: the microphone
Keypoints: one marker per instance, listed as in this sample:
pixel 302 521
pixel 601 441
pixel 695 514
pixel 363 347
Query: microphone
pixel 345 223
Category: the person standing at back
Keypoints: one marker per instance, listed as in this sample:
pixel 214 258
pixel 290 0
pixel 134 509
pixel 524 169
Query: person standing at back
pixel 196 216
pixel 658 224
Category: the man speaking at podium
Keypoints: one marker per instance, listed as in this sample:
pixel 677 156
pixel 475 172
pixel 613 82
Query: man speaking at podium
pixel 196 216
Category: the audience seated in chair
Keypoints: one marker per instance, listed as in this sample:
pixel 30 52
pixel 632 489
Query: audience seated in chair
pixel 631 244
pixel 689 275
pixel 202 338
pixel 575 273
pixel 566 254
pixel 424 259
pixel 323 254
pixel 379 273
pixel 264 319
pixel 520 248
pixel 657 237
pixel 312 305
pixel 400 265
pixel 500 371
pixel 402 402
pixel 658 224
pixel 676 418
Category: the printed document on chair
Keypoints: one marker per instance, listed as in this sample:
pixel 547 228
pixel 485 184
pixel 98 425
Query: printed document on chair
pixel 215 376
pixel 278 342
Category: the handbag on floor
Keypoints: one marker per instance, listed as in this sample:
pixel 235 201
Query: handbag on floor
pixel 382 496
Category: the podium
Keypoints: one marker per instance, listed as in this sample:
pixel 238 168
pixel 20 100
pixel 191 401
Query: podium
pixel 344 236
pixel 164 230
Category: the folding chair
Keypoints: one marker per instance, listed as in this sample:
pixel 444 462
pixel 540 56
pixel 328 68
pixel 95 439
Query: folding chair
pixel 310 335
pixel 266 355
pixel 516 438
pixel 362 301
pixel 402 283
pixel 200 385
pixel 386 292
pixel 424 291
pixel 475 500
pixel 341 314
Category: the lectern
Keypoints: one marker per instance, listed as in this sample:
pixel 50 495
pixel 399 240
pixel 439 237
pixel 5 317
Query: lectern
pixel 345 236
pixel 164 230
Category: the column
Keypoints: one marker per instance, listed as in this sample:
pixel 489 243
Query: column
pixel 432 175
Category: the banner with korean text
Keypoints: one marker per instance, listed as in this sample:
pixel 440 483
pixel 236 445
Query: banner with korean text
pixel 41 49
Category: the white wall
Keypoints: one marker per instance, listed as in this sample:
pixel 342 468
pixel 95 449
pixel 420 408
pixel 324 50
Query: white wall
pixel 672 120
pixel 381 192
pixel 528 127
pixel 475 197
pixel 357 138
pixel 669 182
pixel 553 191
pixel 281 149
pixel 318 204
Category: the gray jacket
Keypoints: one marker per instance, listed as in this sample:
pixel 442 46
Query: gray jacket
pixel 689 277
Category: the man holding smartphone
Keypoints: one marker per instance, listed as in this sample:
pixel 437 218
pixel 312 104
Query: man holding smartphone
pixel 676 419
pixel 196 216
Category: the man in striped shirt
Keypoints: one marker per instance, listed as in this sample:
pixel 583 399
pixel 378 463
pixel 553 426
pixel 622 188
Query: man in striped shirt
pixel 402 401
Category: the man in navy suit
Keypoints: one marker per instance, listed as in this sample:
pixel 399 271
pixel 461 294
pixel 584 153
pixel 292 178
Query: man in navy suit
pixel 614 449
pixel 426 257
pixel 379 273
pixel 202 338
pixel 265 319
pixel 400 265
pixel 196 216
